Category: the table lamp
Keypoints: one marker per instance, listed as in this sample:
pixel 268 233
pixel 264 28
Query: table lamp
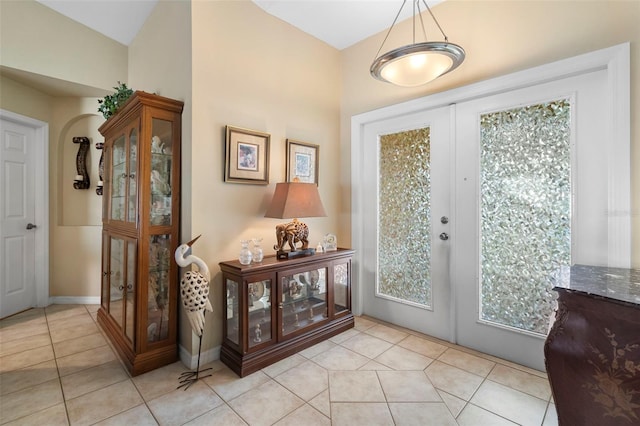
pixel 294 200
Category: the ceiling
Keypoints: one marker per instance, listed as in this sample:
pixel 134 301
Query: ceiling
pixel 339 23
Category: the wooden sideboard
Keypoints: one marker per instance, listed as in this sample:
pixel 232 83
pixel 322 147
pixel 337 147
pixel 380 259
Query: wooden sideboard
pixel 278 307
pixel 592 352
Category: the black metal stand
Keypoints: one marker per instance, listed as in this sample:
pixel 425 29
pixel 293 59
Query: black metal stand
pixel 190 377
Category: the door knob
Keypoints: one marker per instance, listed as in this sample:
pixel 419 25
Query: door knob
pixel 444 236
pixel 31 226
pixel 444 220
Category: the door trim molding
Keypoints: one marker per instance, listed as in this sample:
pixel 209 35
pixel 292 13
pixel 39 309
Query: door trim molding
pixel 41 164
pixel 615 60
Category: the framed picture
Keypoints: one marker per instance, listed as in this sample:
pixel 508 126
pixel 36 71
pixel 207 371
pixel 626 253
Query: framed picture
pixel 302 161
pixel 246 156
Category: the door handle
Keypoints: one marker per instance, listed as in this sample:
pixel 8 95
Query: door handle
pixel 31 226
pixel 444 236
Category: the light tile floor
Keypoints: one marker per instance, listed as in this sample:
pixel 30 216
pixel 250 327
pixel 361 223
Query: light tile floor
pixel 57 368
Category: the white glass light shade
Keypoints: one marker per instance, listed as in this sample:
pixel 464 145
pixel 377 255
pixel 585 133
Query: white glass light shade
pixel 417 64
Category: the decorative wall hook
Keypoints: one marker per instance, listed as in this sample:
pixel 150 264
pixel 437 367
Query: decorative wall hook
pixel 81 180
pixel 100 146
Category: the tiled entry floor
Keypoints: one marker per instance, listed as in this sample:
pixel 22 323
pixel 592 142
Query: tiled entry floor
pixel 57 368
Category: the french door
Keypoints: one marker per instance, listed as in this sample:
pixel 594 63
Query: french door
pixel 407 199
pixel 531 197
pixel 520 175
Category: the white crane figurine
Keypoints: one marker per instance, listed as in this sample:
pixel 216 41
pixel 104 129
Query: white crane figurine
pixel 194 292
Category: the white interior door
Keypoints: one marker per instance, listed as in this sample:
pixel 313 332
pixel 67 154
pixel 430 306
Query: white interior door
pixel 405 213
pixel 17 207
pixel 531 196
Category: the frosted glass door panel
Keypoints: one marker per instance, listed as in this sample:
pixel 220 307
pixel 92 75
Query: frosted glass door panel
pixel 525 208
pixel 404 238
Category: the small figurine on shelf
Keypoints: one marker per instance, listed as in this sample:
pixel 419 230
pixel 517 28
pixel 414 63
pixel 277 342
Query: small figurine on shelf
pixel 159 184
pixel 252 295
pixel 297 323
pixel 257 334
pixel 311 313
pixel 156 145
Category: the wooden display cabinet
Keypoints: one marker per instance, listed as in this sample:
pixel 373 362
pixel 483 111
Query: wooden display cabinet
pixel 141 223
pixel 279 307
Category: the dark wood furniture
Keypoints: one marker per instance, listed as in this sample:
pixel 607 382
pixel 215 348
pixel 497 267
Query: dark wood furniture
pixel 279 307
pixel 592 353
pixel 141 221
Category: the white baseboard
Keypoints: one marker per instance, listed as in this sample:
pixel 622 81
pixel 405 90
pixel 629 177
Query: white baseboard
pixel 73 300
pixel 191 360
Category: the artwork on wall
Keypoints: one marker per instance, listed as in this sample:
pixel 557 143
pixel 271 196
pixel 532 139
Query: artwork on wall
pixel 246 156
pixel 302 161
pixel 81 181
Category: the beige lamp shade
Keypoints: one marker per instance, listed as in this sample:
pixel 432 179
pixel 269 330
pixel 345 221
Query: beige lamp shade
pixel 294 200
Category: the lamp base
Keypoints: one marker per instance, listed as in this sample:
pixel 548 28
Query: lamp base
pixel 282 255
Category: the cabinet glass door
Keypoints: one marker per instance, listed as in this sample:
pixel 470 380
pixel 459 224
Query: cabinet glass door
pixel 116 272
pixel 304 299
pixel 118 178
pixel 132 196
pixel 159 292
pixel 259 312
pixel 233 320
pixel 130 291
pixel 341 288
pixel 161 173
pixel 104 299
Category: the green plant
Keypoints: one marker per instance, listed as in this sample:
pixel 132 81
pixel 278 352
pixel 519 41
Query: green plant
pixel 110 104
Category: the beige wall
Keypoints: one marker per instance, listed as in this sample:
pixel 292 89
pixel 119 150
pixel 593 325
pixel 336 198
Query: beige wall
pixel 501 37
pixel 75 215
pixel 36 39
pixel 160 62
pixel 254 71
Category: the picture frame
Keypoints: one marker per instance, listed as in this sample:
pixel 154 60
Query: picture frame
pixel 302 161
pixel 246 156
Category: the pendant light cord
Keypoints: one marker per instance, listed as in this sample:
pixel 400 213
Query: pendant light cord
pixel 390 28
pixel 416 3
pixel 434 20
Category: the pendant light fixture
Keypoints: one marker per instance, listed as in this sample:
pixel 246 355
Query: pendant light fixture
pixel 417 63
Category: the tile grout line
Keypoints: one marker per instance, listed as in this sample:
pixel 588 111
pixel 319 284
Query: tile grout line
pixel 55 360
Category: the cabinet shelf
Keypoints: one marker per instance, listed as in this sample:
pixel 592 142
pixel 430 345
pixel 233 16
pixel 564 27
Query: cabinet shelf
pixel 280 307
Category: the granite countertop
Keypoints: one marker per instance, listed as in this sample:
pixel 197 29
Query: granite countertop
pixel 612 283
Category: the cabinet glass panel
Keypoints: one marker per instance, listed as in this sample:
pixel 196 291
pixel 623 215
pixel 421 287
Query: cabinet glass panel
pixel 133 181
pixel 233 329
pixel 304 299
pixel 116 272
pixel 161 162
pixel 118 178
pixel 159 288
pixel 131 290
pixel 259 312
pixel 105 272
pixel 341 287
